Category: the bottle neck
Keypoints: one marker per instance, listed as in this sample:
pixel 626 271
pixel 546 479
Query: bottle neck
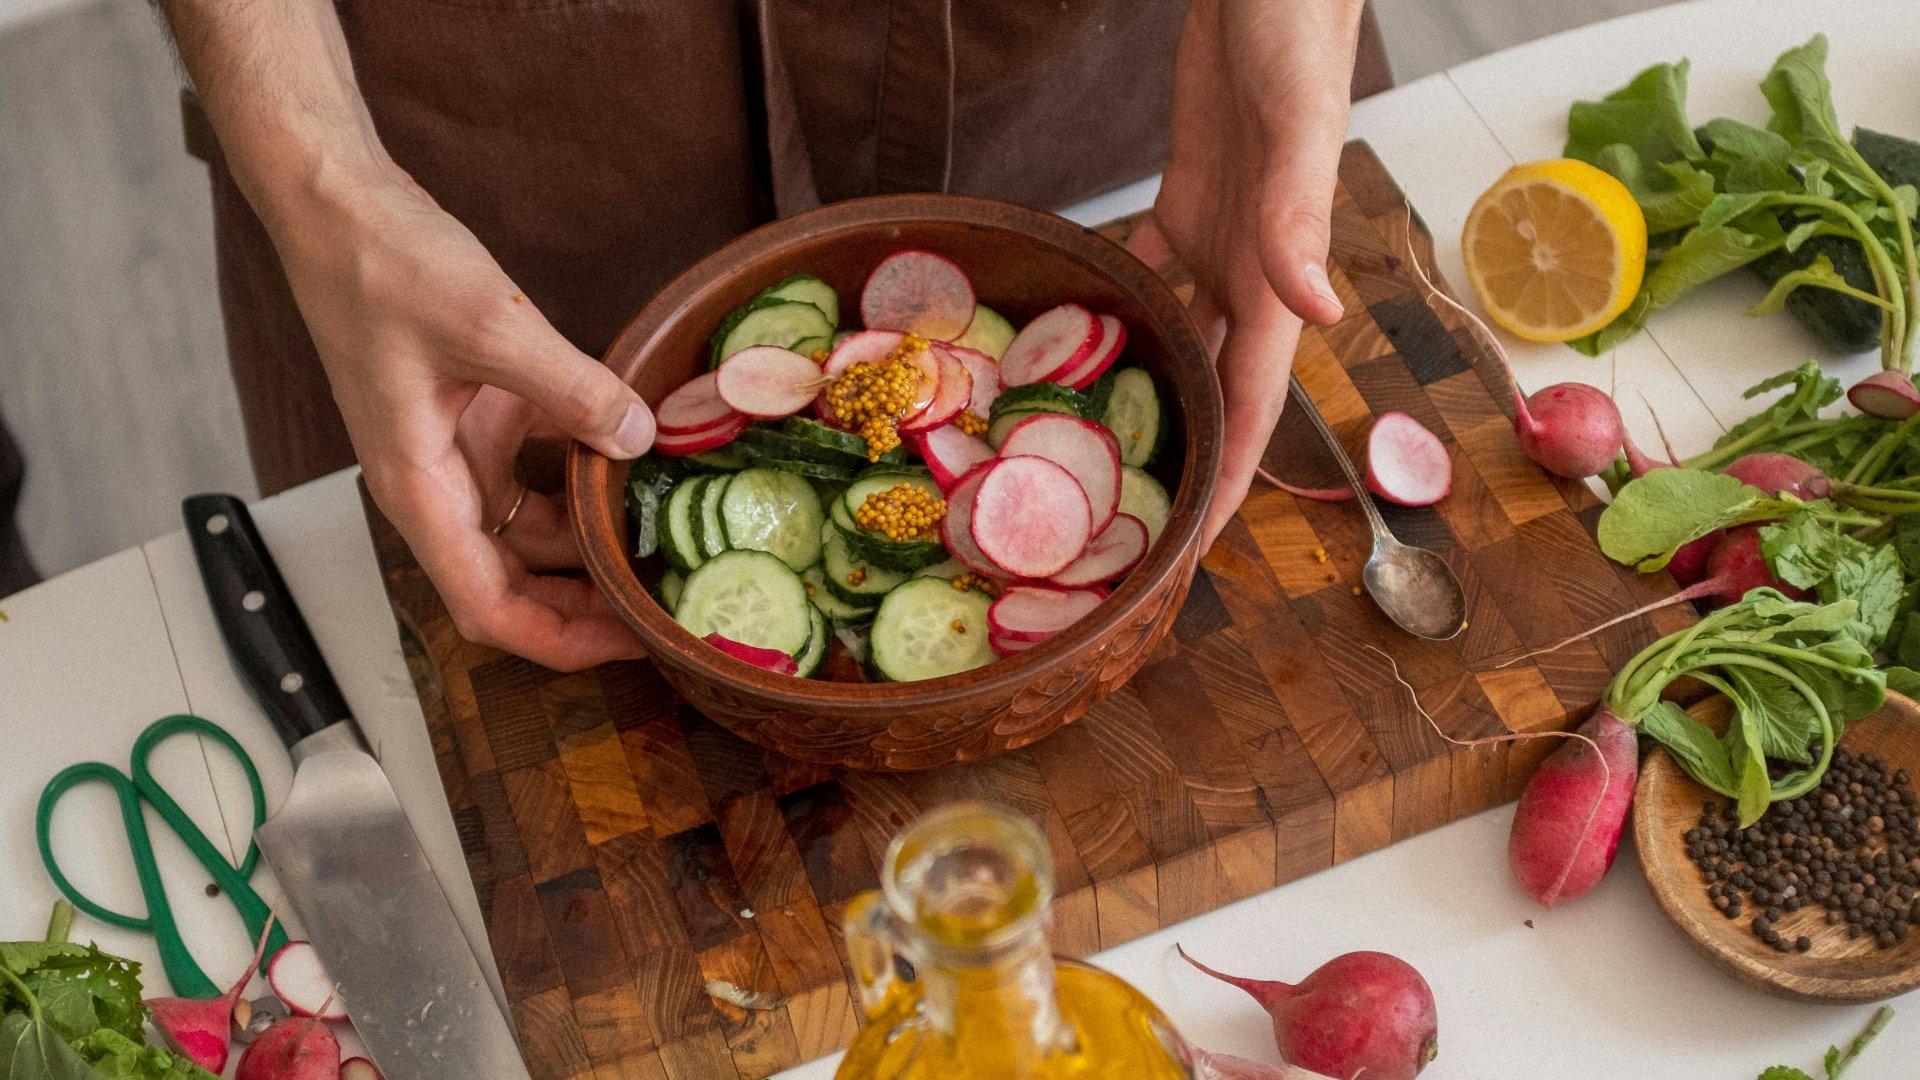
pixel 999 1000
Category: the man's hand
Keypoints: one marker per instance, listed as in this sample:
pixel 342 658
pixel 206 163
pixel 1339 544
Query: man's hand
pixel 1259 114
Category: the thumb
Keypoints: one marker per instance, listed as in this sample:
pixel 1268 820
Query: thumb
pixel 578 394
pixel 1296 204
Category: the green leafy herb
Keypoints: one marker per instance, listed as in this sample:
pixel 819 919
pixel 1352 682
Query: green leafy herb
pixel 1837 1060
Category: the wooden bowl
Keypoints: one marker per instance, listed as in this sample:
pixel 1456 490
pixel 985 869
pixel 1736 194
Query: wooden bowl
pixel 1666 803
pixel 1021 262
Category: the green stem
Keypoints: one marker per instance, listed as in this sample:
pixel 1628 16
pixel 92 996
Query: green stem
pixel 1883 451
pixel 1845 289
pixel 1881 1017
pixel 1721 455
pixel 60 924
pixel 26 995
pixel 1886 277
pixel 1794 784
pixel 1909 296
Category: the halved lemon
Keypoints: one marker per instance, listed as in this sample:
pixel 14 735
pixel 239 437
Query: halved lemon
pixel 1555 249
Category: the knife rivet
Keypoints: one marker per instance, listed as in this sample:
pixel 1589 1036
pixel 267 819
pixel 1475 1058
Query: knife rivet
pixel 217 524
pixel 291 682
pixel 254 600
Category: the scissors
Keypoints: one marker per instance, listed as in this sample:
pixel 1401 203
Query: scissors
pixel 186 976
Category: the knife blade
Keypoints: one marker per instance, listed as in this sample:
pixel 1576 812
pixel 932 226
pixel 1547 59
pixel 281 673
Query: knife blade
pixel 341 848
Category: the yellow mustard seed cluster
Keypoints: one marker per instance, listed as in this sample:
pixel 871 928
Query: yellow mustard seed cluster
pixel 970 422
pixel 819 356
pixel 871 398
pixel 902 513
pixel 959 626
pixel 857 576
pixel 963 582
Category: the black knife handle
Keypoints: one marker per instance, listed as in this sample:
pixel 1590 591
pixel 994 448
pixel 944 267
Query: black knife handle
pixel 272 649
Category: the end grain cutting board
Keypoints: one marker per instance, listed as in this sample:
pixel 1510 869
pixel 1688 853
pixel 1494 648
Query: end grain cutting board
pixel 626 849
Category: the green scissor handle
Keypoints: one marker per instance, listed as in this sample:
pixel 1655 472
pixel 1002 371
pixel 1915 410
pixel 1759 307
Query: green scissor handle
pixel 186 976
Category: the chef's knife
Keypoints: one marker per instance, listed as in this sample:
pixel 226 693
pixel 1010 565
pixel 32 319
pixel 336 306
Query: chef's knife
pixel 341 847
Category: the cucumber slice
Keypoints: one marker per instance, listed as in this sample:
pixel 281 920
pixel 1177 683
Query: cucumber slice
pixel 749 597
pixel 819 638
pixel 838 609
pixel 769 442
pixel 1098 394
pixel 1133 415
pixel 850 579
pixel 682 547
pixel 989 332
pixel 707 527
pixel 829 439
pixel 1143 497
pixel 1040 396
pixel 671 584
pixel 775 512
pixel 1004 422
pixel 729 458
pixel 926 629
pixel 873 548
pixel 809 290
pixel 811 470
pixel 950 569
pixel 813 346
pixel 768 321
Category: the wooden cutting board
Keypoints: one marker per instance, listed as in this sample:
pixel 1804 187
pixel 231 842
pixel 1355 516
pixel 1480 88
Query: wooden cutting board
pixel 626 849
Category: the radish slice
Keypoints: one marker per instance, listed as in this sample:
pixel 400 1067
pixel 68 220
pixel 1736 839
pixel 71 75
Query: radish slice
pixel 1003 647
pixel 1888 395
pixel 359 1068
pixel 956 529
pixel 1030 516
pixel 1113 338
pixel 770 659
pixel 302 984
pixel 695 407
pixel 1116 550
pixel 865 347
pixel 1084 448
pixel 985 371
pixel 767 382
pixel 1406 463
pixel 711 439
pixel 1054 343
pixel 918 292
pixel 950 453
pixel 952 391
pixel 1030 613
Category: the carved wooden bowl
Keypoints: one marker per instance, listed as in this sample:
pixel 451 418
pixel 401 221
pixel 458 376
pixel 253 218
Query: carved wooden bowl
pixel 1021 262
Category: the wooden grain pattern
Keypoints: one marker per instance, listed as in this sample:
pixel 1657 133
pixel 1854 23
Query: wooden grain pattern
pixel 1666 803
pixel 628 848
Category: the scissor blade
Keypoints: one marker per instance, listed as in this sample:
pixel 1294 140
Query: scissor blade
pixel 352 870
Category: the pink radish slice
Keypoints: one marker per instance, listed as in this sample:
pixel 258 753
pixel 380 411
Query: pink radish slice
pixel 1116 550
pixel 950 453
pixel 1035 612
pixel 1003 647
pixel 711 439
pixel 767 382
pixel 956 529
pixel 771 659
pixel 301 983
pixel 918 292
pixel 695 407
pixel 1084 448
pixel 1055 342
pixel 1113 338
pixel 951 393
pixel 1030 516
pixel 359 1068
pixel 1406 463
pixel 865 347
pixel 1888 395
pixel 985 371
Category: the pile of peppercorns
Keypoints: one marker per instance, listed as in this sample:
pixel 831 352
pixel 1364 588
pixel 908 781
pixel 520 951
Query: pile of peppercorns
pixel 1851 846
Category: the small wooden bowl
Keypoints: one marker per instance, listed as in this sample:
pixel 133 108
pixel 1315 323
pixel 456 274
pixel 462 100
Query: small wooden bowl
pixel 1666 803
pixel 1021 262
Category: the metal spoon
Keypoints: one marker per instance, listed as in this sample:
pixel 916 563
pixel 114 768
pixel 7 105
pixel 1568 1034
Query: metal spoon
pixel 1414 586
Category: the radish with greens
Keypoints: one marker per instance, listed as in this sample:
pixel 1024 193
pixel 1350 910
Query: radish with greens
pixel 1567 825
pixel 918 292
pixel 1569 429
pixel 293 1048
pixel 1359 1014
pixel 1774 473
pixel 202 1030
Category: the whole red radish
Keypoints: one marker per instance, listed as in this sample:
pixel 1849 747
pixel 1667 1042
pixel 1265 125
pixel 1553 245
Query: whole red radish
pixel 1567 826
pixel 1737 566
pixel 294 1048
pixel 1360 1013
pixel 1775 473
pixel 1569 429
pixel 1689 563
pixel 202 1031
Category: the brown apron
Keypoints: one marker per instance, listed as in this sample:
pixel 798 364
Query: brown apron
pixel 598 147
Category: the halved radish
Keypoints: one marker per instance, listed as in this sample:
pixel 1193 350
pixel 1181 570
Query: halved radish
pixel 359 1068
pixel 696 406
pixel 1084 448
pixel 1055 342
pixel 771 659
pixel 767 382
pixel 711 438
pixel 956 529
pixel 301 982
pixel 1406 463
pixel 1004 648
pixel 950 453
pixel 1116 550
pixel 1888 395
pixel 952 391
pixel 1113 338
pixel 1035 612
pixel 918 292
pixel 985 371
pixel 1030 517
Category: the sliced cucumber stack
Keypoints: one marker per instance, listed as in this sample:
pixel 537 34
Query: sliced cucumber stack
pixel 838 609
pixel 926 629
pixel 904 556
pixel 819 639
pixel 750 597
pixel 799 313
pixel 677 538
pixel 851 579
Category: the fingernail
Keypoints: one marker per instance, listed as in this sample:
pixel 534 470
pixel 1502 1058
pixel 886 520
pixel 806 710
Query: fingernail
pixel 635 436
pixel 1323 288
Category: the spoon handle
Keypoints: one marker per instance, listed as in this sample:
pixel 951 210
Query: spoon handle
pixel 1381 534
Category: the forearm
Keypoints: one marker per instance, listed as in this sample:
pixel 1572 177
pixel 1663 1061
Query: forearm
pixel 277 83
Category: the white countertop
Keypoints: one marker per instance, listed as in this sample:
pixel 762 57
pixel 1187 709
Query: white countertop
pixel 1600 987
